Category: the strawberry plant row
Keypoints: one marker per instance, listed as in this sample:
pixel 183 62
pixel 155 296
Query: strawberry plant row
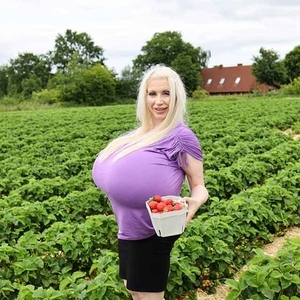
pixel 222 156
pixel 211 141
pixel 44 259
pixel 101 282
pixel 228 121
pixel 251 170
pixel 33 189
pixel 270 278
pixel 38 216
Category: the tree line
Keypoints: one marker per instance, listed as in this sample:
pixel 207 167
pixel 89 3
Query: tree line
pixel 268 68
pixel 74 71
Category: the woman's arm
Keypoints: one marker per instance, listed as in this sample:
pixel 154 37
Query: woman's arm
pixel 199 193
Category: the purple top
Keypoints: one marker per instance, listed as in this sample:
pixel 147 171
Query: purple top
pixel 133 179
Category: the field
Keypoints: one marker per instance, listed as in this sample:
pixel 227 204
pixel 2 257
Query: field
pixel 58 234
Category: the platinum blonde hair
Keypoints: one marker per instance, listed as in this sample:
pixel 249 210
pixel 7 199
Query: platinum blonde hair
pixel 145 134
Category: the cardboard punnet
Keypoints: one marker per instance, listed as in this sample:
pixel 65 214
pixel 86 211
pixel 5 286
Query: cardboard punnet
pixel 169 223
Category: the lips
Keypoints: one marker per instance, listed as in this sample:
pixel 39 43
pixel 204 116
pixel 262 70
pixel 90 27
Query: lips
pixel 160 109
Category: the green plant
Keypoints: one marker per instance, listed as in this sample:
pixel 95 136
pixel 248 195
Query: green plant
pixel 270 278
pixel 46 96
pixel 292 88
pixel 200 93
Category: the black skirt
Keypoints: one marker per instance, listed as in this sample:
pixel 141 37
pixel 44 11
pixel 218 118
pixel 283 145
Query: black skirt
pixel 145 264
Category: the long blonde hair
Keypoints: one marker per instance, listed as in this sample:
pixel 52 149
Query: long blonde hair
pixel 143 136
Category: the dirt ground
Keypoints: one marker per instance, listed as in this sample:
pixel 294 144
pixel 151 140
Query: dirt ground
pixel 270 249
pixel 289 132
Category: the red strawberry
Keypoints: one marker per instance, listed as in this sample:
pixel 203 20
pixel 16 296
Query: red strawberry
pixel 169 207
pixel 160 206
pixel 152 204
pixel 169 201
pixel 157 198
pixel 154 210
pixel 177 206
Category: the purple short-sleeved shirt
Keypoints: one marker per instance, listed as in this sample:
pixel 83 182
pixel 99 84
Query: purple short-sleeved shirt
pixel 154 170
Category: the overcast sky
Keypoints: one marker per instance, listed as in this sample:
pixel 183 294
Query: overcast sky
pixel 233 30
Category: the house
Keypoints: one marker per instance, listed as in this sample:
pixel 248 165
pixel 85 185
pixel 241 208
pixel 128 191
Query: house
pixel 230 80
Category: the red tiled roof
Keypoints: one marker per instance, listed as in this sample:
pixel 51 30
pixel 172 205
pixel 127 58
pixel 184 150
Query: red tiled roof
pixel 230 77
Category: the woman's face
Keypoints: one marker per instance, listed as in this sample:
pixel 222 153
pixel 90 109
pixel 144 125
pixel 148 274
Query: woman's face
pixel 158 99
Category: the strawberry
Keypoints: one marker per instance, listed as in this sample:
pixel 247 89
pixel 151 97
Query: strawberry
pixel 157 198
pixel 160 206
pixel 168 201
pixel 177 206
pixel 154 210
pixel 169 207
pixel 152 204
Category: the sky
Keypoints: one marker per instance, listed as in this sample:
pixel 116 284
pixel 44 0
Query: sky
pixel 232 30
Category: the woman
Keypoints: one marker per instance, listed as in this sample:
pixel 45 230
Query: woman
pixel 153 159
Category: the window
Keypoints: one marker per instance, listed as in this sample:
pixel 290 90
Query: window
pixel 237 80
pixel 209 81
pixel 222 80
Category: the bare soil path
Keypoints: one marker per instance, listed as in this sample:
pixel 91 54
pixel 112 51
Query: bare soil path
pixel 289 132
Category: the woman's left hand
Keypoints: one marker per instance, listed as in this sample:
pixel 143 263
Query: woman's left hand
pixel 193 206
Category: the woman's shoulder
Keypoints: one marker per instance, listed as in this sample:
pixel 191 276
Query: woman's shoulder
pixel 183 132
pixel 180 134
pixel 180 140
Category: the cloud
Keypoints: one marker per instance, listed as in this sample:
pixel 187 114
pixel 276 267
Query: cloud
pixel 232 30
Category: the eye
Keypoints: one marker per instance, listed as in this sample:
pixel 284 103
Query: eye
pixel 166 93
pixel 152 94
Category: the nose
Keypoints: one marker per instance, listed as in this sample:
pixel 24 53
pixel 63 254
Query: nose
pixel 159 99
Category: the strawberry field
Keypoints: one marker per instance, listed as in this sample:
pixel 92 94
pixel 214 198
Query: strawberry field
pixel 58 234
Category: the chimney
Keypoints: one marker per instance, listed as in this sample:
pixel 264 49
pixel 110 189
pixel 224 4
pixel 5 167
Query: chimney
pixel 239 65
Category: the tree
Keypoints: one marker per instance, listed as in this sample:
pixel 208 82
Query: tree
pixel 92 86
pixel 292 63
pixel 30 85
pixel 127 84
pixel 80 44
pixel 188 71
pixel 84 84
pixel 169 49
pixel 268 68
pixel 3 80
pixel 164 47
pixel 28 67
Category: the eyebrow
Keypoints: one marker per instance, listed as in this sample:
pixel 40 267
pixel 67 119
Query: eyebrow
pixel 166 90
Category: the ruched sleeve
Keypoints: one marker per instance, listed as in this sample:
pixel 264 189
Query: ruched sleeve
pixel 180 142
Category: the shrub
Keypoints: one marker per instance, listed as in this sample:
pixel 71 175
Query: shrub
pixel 85 85
pixel 10 100
pixel 256 92
pixel 291 89
pixel 46 96
pixel 200 93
